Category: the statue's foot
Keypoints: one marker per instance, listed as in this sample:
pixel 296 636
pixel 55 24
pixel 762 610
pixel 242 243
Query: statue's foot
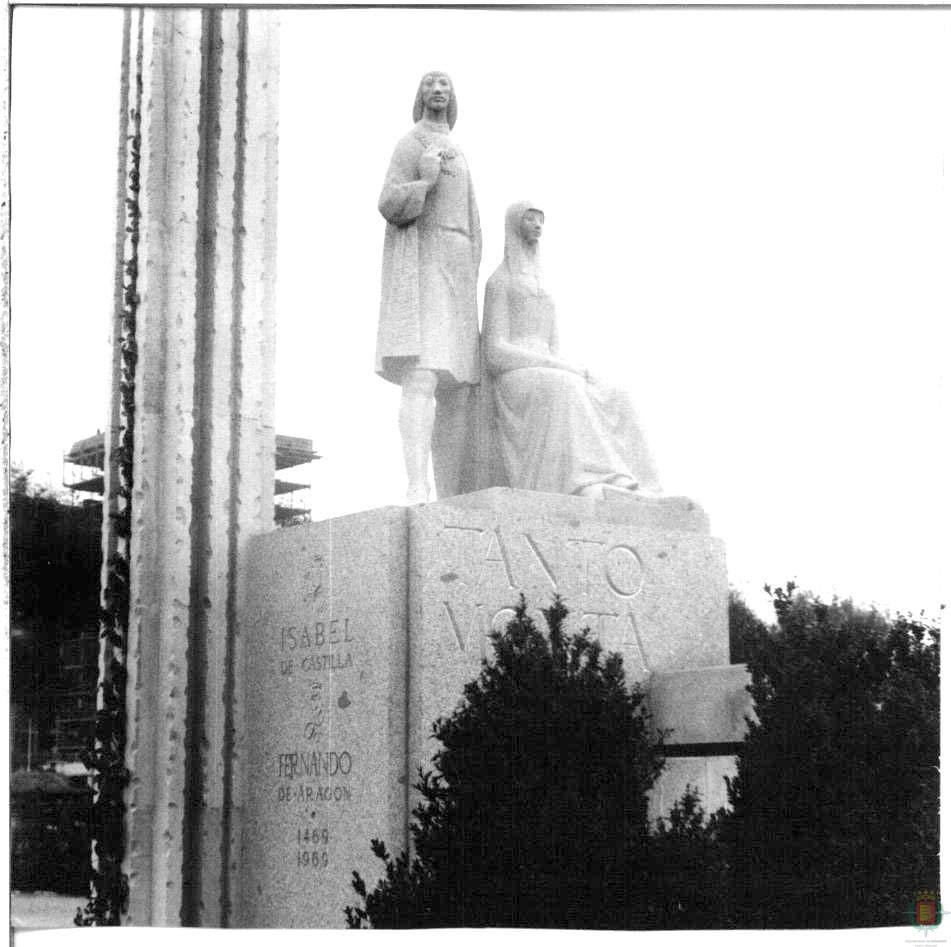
pixel 593 490
pixel 417 495
pixel 622 482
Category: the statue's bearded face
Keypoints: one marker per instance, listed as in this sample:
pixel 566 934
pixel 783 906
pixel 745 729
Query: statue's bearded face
pixel 435 90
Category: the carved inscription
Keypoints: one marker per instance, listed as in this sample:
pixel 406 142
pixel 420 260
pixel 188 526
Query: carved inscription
pixel 618 624
pixel 308 763
pixel 496 554
pixel 619 565
pixel 624 571
pixel 454 625
pixel 480 622
pixel 607 572
pixel 315 727
pixel 303 774
pixel 533 546
pixel 585 549
pixel 308 794
pixel 316 634
pixel 306 647
pixel 326 662
pixel 315 773
pixel 316 580
pixel 312 847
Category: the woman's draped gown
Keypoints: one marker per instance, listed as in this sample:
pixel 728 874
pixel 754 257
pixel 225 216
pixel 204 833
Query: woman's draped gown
pixel 556 431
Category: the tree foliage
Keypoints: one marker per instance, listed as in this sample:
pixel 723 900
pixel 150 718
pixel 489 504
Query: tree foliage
pixel 536 812
pixel 748 632
pixel 56 556
pixel 834 818
pixel 689 865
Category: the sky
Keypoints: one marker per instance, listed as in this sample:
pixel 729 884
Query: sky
pixel 748 225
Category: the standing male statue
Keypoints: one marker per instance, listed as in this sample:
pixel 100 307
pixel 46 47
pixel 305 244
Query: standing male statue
pixel 428 337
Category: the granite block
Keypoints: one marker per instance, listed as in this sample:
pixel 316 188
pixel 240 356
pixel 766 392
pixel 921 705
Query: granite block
pixel 326 671
pixel 363 630
pixel 656 595
pixel 706 774
pixel 621 507
pixel 701 705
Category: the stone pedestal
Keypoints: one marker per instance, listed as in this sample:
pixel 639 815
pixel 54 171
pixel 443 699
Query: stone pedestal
pixel 644 575
pixel 364 629
pixel 703 712
pixel 326 714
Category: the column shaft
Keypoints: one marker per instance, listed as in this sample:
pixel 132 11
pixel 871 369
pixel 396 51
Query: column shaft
pixel 204 444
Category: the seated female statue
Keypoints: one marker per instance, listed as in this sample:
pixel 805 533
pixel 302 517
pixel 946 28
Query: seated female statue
pixel 558 429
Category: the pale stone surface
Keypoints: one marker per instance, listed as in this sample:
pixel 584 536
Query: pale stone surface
pixel 680 514
pixel 204 443
pixel 326 666
pixel 428 335
pixel 698 706
pixel 556 428
pixel 706 774
pixel 657 596
pixel 161 504
pixel 413 593
pixel 704 705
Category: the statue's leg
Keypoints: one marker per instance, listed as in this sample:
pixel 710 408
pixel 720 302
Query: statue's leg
pixel 451 436
pixel 417 412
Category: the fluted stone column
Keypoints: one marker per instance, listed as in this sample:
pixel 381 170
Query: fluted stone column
pixel 204 443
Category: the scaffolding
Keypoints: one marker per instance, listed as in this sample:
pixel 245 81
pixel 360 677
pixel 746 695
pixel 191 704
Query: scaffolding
pixel 85 462
pixel 291 452
pixel 75 718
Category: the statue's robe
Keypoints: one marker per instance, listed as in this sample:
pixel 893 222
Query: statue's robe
pixel 429 314
pixel 552 429
pixel 556 431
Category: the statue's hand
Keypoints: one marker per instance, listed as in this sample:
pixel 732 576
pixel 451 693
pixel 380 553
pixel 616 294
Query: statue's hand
pixel 430 161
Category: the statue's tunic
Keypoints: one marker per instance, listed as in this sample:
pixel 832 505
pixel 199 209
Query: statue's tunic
pixel 428 310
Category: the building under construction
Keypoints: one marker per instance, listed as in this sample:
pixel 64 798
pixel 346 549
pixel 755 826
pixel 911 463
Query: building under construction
pixel 84 464
pixel 54 725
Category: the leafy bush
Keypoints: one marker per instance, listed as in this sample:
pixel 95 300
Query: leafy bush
pixel 536 814
pixel 835 803
pixel 690 864
pixel 747 632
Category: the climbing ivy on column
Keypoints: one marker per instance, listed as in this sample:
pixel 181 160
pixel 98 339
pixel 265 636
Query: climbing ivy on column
pixel 106 759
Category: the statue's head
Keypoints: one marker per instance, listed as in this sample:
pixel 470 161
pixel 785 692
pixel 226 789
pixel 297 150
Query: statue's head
pixel 524 222
pixel 436 93
pixel 531 225
pixel 523 228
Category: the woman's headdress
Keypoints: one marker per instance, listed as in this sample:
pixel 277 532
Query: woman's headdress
pixel 516 256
